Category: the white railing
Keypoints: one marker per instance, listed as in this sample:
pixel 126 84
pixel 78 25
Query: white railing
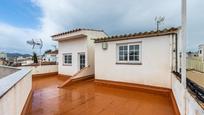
pixel 195 64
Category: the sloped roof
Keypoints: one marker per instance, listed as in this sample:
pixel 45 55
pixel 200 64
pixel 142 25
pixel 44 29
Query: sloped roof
pixel 53 52
pixel 75 30
pixel 146 34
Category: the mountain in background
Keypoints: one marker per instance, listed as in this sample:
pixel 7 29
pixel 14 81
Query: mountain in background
pixel 11 55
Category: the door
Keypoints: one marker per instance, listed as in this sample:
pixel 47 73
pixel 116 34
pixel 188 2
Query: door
pixel 81 60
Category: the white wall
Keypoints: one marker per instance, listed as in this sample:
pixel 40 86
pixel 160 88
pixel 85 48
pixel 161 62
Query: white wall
pixel 156 63
pixel 76 46
pixel 179 94
pixel 42 69
pixel 13 101
pixel 186 103
pixel 73 46
pixel 91 48
pixel 192 107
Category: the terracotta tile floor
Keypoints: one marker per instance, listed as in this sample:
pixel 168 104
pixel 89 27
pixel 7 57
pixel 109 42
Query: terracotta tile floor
pixel 87 98
pixel 197 77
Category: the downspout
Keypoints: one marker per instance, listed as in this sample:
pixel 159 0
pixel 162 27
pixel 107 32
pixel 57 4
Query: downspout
pixel 176 50
pixel 183 38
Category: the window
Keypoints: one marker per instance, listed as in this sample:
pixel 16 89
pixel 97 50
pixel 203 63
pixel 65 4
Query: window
pixel 67 59
pixel 129 53
pixel 123 53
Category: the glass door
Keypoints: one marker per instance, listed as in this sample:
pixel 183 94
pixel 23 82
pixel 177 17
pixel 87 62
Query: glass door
pixel 82 61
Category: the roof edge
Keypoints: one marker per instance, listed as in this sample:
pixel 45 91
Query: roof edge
pixel 76 30
pixel 146 34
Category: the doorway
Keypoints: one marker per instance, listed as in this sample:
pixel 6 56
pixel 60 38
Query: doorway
pixel 81 60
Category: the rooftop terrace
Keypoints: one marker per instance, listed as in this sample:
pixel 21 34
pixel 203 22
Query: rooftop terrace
pixel 88 98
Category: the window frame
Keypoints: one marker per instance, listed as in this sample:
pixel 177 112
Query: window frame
pixel 128 53
pixel 68 63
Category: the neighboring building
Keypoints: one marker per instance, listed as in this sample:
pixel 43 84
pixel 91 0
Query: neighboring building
pixel 147 58
pixel 51 56
pixel 24 61
pixel 76 51
pixel 3 55
pixel 3 61
pixel 192 54
pixel 201 51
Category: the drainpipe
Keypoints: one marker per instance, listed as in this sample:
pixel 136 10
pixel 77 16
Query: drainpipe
pixel 176 51
pixel 183 37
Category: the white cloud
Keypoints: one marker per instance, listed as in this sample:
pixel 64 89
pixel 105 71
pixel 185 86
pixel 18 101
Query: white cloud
pixel 113 16
pixel 14 39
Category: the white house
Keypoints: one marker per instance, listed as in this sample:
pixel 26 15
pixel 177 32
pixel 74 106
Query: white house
pixel 201 51
pixel 51 56
pixel 148 61
pixel 76 51
pixel 147 58
pixel 24 60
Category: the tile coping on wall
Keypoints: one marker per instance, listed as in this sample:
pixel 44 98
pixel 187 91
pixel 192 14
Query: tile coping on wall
pixel 9 81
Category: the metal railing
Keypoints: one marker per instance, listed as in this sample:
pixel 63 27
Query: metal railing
pixel 196 89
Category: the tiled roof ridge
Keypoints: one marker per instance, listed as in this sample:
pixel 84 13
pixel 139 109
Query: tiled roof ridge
pixel 76 30
pixel 139 34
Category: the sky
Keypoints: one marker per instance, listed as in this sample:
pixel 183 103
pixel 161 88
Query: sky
pixel 23 20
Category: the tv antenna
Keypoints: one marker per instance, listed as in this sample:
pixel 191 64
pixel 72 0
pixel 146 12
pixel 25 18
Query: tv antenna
pixel 36 43
pixel 158 21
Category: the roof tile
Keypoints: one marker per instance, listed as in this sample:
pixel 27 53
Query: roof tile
pixel 74 30
pixel 138 35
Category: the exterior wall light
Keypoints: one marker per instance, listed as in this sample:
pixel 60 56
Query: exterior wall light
pixel 104 45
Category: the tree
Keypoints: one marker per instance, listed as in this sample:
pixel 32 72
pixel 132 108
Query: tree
pixel 48 51
pixel 35 58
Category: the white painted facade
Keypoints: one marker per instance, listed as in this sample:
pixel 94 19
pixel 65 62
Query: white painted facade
pixel 77 43
pixel 201 51
pixel 155 68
